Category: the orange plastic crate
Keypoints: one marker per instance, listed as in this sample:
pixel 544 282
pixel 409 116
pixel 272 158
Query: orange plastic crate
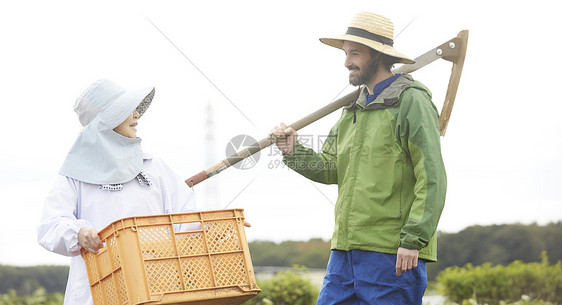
pixel 184 258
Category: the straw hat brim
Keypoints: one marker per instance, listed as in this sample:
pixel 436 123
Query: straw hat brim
pixel 337 42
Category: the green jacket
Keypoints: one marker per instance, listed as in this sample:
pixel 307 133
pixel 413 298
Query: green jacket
pixel 386 160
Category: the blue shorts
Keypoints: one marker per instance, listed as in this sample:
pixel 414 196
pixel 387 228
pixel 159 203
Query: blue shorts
pixel 367 277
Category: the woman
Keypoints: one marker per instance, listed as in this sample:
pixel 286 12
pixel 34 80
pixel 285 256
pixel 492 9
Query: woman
pixel 106 177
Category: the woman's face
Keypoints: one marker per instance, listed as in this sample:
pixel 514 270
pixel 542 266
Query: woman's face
pixel 127 128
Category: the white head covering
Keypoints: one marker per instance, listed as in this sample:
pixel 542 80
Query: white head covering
pixel 100 155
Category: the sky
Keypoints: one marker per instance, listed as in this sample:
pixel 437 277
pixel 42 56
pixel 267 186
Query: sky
pixel 227 68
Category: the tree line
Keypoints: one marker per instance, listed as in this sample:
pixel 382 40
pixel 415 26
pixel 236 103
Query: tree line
pixel 496 244
pixel 27 280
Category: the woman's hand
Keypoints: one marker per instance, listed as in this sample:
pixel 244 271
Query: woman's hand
pixel 88 238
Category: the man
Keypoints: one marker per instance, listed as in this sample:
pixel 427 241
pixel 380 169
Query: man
pixel 384 154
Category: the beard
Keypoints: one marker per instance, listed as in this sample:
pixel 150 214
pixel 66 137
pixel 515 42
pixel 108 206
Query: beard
pixel 365 75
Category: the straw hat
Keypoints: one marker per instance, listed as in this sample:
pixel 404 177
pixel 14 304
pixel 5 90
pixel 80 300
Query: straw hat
pixel 372 30
pixel 111 102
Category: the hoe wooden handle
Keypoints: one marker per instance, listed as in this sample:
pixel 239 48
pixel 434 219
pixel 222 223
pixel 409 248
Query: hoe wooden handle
pixel 265 142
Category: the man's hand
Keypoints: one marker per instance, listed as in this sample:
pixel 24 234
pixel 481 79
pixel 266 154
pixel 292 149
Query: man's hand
pixel 88 238
pixel 286 138
pixel 406 259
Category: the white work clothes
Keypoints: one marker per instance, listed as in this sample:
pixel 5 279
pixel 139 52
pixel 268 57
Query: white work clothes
pixel 72 205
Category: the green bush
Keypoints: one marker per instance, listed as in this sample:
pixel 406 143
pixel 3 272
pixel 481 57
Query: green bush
pixel 286 288
pixel 494 284
pixel 39 297
pixel 525 300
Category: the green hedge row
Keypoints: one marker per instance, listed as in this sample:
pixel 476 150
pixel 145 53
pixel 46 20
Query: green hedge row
pixel 38 297
pixel 489 284
pixel 525 300
pixel 291 287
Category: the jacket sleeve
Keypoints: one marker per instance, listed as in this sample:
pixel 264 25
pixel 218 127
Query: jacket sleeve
pixel 319 167
pixel 418 128
pixel 59 226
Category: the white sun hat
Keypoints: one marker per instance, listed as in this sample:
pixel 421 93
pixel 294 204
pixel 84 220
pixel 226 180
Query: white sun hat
pixel 99 154
pixel 111 102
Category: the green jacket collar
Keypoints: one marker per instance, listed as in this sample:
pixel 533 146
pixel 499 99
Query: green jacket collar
pixel 388 98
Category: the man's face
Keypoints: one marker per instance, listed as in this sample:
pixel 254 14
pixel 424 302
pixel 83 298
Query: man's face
pixel 357 60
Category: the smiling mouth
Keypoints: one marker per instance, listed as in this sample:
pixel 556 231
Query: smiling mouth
pixel 354 73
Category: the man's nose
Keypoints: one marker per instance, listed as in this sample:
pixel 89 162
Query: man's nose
pixel 347 63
